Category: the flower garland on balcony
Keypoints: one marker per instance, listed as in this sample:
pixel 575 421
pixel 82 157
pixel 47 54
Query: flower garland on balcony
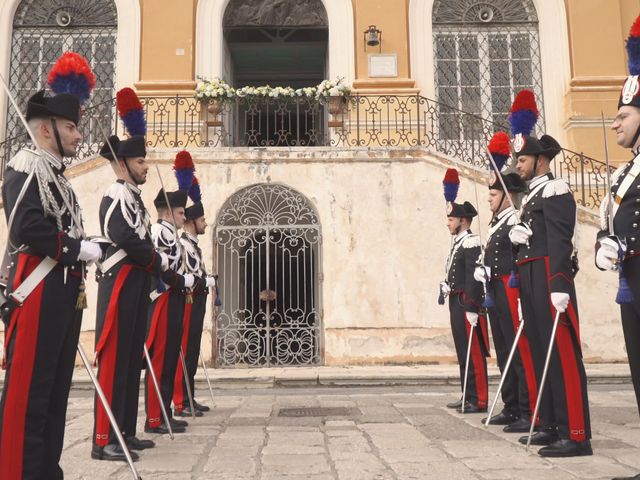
pixel 216 89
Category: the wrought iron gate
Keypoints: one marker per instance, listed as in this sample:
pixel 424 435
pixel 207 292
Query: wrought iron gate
pixel 268 249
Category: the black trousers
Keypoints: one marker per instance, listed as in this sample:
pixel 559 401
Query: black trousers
pixel 121 320
pixel 519 389
pixel 41 342
pixel 631 322
pixel 163 340
pixel 565 403
pixel 191 337
pixel 477 383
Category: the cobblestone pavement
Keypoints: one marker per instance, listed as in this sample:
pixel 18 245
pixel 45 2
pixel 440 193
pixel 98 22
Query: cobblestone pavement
pixel 386 433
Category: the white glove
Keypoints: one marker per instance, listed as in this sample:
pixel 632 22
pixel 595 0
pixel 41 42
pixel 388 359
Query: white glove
pixel 520 233
pixel 472 318
pixel 482 273
pixel 164 261
pixel 90 252
pixel 608 254
pixel 211 281
pixel 445 288
pixel 189 280
pixel 560 301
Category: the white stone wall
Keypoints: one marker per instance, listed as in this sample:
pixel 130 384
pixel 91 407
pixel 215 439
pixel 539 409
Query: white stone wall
pixel 384 245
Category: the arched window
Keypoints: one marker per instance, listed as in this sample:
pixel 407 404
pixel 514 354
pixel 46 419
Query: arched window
pixel 45 29
pixel 485 52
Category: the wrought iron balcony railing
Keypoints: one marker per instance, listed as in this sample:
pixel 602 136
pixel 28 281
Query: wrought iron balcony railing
pixel 359 121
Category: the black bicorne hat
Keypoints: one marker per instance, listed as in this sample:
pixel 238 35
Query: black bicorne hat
pixel 134 146
pixel 64 105
pixel 630 92
pixel 512 181
pixel 177 199
pixel 105 150
pixel 528 145
pixel 194 211
pixel 461 210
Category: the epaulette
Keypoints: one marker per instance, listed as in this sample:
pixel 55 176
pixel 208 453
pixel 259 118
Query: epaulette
pixel 555 187
pixel 471 241
pixel 24 161
pixel 114 189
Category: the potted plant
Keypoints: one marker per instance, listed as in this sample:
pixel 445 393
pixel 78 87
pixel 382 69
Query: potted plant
pixel 335 94
pixel 213 93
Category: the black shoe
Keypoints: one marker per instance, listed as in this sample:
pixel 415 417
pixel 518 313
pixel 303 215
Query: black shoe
pixel 134 443
pixel 470 408
pixel 163 430
pixel 635 477
pixel 501 419
pixel 540 438
pixel 567 448
pixel 111 452
pixel 454 404
pixel 186 412
pixel 200 407
pixel 178 423
pixel 522 425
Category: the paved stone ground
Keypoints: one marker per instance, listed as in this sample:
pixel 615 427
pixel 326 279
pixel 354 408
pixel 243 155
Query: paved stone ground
pixel 391 433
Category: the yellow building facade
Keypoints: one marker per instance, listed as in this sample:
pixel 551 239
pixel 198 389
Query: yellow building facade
pixel 163 46
pixel 348 274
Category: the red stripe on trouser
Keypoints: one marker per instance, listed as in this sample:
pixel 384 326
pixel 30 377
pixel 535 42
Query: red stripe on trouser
pixel 572 382
pixel 22 362
pixel 179 393
pixel 570 374
pixel 523 345
pixel 106 351
pixel 480 373
pixel 157 345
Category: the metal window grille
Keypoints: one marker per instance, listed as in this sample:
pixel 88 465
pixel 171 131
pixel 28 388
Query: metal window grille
pixel 44 30
pixel 485 54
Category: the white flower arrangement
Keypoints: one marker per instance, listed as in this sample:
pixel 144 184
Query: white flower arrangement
pixel 328 88
pixel 218 89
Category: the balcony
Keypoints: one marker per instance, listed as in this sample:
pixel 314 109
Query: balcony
pixel 359 121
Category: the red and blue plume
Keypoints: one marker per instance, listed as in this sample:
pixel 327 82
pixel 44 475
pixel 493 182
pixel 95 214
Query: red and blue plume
pixel 451 184
pixel 524 113
pixel 500 149
pixel 131 112
pixel 633 48
pixel 72 74
pixel 194 192
pixel 184 170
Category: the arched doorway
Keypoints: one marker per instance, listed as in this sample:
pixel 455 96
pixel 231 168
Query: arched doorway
pixel 211 53
pixel 276 42
pixel 268 255
pixel 280 43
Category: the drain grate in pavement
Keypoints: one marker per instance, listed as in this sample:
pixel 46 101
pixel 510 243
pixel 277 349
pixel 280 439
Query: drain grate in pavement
pixel 317 412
